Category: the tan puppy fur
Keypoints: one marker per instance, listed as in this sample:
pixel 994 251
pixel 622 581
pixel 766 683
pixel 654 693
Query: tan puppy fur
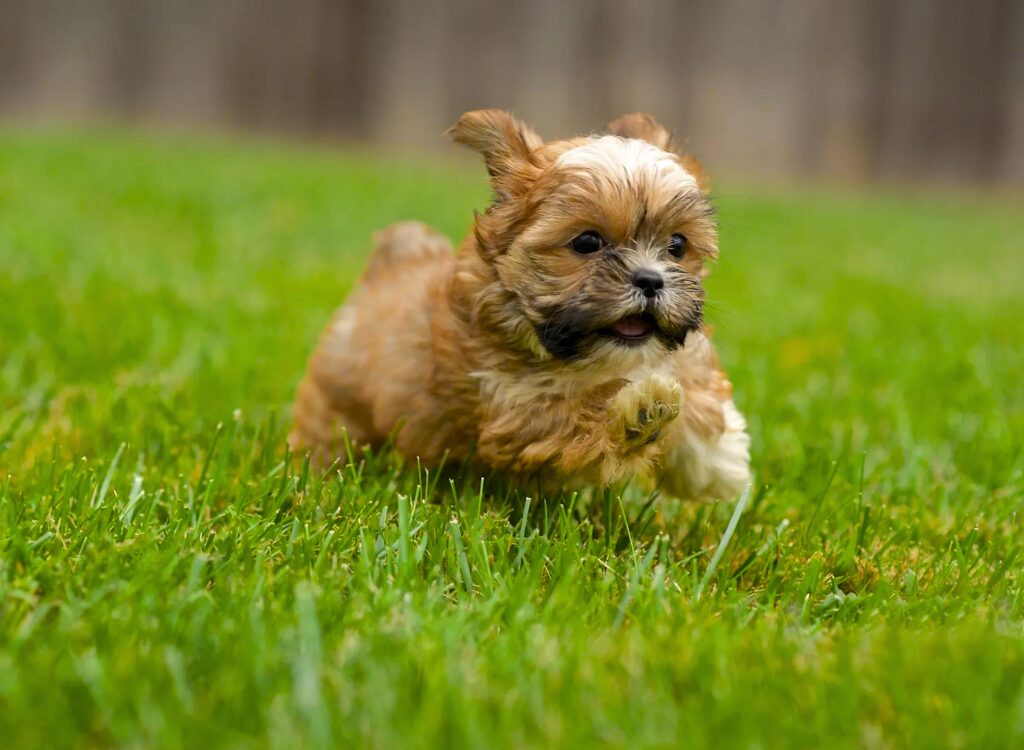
pixel 564 341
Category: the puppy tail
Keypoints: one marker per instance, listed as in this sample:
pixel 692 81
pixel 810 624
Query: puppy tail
pixel 403 244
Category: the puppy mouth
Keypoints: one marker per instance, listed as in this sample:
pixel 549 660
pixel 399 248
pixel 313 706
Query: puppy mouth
pixel 568 333
pixel 633 329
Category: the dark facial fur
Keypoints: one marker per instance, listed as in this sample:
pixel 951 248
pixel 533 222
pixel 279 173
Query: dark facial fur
pixel 573 330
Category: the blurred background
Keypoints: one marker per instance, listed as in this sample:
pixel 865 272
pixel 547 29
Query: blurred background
pixel 894 90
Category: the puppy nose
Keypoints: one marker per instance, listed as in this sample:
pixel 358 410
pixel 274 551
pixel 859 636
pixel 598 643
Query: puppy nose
pixel 648 281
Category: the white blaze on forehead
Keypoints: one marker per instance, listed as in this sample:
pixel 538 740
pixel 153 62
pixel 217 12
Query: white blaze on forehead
pixel 629 157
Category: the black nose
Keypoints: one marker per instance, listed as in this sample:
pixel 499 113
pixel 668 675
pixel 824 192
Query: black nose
pixel 648 281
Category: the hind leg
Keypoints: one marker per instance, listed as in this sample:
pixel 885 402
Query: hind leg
pixel 322 426
pixel 353 384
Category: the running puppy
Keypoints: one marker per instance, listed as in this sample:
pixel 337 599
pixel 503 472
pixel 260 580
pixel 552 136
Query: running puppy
pixel 564 341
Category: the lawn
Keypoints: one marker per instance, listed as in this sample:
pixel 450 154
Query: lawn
pixel 169 577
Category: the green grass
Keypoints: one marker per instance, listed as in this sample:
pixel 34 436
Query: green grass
pixel 168 578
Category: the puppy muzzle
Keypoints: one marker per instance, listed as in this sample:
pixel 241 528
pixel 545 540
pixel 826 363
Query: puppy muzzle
pixel 573 332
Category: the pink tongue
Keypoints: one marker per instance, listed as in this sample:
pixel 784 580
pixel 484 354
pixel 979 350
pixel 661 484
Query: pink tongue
pixel 631 326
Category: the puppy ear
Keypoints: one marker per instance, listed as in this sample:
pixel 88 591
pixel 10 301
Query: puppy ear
pixel 507 145
pixel 645 128
pixel 642 127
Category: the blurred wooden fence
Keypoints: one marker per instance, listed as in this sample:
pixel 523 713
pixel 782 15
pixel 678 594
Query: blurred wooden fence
pixel 850 89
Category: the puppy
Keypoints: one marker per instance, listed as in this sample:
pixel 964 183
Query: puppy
pixel 563 343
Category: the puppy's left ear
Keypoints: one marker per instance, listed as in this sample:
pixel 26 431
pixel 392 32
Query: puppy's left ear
pixel 509 146
pixel 643 127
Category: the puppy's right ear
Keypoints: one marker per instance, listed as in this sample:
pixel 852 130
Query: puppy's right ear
pixel 643 127
pixel 507 145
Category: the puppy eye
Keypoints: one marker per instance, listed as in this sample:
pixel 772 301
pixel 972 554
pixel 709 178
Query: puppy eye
pixel 677 246
pixel 586 243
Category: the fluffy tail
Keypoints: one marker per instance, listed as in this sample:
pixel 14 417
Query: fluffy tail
pixel 404 243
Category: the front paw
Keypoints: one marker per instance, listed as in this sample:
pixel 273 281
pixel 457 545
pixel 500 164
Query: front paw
pixel 642 410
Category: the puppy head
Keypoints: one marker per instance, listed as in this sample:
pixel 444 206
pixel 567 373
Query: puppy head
pixel 595 245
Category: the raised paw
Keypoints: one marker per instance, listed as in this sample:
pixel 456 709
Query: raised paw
pixel 642 409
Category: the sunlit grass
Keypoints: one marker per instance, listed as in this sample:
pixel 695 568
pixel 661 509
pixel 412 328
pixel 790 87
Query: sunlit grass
pixel 170 577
